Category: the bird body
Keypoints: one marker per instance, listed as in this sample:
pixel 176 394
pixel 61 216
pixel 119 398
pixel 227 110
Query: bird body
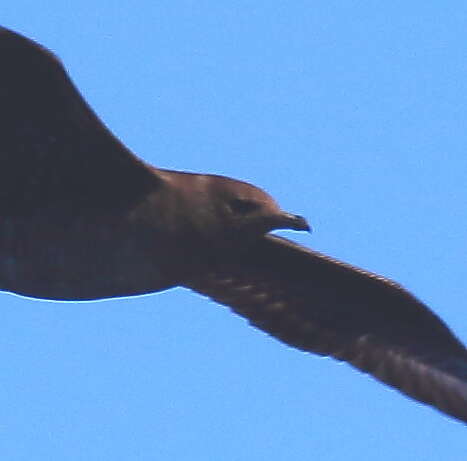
pixel 82 218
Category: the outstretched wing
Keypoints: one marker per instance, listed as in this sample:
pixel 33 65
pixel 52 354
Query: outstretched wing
pixel 320 305
pixel 54 151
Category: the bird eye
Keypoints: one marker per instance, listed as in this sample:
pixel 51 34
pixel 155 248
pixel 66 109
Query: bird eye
pixel 243 206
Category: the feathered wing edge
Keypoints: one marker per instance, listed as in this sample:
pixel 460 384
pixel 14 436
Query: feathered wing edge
pixel 320 305
pixel 53 144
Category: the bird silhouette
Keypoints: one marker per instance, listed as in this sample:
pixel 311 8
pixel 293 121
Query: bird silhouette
pixel 82 218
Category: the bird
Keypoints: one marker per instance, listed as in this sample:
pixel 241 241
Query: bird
pixel 83 218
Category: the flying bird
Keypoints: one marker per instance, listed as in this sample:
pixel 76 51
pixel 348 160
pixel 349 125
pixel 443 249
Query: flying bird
pixel 82 218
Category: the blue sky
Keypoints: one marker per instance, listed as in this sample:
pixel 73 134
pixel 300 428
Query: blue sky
pixel 353 114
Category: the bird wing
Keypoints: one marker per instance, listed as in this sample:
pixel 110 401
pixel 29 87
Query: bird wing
pixel 54 151
pixel 317 304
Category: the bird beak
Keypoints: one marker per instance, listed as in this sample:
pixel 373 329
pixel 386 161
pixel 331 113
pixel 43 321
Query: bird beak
pixel 291 221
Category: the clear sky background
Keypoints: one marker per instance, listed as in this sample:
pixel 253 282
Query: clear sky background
pixel 353 114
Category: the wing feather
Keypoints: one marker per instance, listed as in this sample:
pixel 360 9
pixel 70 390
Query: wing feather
pixel 54 151
pixel 320 305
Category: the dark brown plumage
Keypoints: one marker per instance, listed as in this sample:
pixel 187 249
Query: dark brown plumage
pixel 82 218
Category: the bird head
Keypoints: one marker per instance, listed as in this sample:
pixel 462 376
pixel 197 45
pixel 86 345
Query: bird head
pixel 217 207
